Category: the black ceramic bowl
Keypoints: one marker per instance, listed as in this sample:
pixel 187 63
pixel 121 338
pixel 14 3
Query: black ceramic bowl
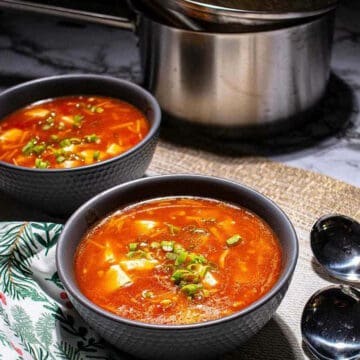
pixel 200 340
pixel 61 191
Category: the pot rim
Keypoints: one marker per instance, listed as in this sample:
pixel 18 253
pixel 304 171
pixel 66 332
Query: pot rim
pixel 202 10
pixel 268 30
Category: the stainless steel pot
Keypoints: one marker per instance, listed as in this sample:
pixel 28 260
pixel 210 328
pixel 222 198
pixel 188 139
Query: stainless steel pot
pixel 240 79
pixel 235 80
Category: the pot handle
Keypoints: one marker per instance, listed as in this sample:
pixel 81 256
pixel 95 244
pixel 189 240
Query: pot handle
pixel 117 21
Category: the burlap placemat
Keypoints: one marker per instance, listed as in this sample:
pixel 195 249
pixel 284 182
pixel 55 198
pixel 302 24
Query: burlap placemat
pixel 304 196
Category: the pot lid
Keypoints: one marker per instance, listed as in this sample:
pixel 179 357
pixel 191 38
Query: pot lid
pixel 230 11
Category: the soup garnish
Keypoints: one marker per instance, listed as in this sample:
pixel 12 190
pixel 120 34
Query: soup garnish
pixel 178 260
pixel 70 131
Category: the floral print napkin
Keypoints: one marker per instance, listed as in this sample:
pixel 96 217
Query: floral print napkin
pixel 37 321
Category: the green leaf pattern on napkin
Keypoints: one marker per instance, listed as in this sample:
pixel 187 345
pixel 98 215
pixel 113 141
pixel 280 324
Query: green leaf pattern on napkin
pixel 37 321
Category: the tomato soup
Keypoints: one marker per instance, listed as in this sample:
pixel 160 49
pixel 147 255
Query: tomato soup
pixel 70 131
pixel 178 261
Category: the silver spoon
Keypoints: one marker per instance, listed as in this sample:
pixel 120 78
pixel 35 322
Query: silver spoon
pixel 335 242
pixel 330 323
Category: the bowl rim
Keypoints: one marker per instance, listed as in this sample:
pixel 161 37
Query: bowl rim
pixel 75 292
pixel 154 127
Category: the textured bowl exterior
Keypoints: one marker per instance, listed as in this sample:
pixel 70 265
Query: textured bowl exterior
pixel 198 343
pixel 194 341
pixel 60 191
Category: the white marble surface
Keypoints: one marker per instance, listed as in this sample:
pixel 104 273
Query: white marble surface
pixel 33 46
pixel 339 155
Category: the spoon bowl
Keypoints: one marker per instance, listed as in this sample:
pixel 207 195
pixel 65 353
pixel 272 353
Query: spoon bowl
pixel 335 242
pixel 330 323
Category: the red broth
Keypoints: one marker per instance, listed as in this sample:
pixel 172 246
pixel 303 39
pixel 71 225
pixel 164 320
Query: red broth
pixel 70 131
pixel 178 261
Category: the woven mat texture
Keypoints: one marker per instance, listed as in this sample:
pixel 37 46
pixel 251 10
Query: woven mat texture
pixel 304 196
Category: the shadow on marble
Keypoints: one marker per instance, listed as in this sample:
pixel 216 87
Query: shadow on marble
pixel 332 118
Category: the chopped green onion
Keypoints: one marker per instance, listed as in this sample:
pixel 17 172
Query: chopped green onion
pixel 60 159
pixel 50 120
pixel 191 289
pixel 201 270
pixel 234 240
pixel 38 149
pixel 54 138
pixel 65 143
pixel 94 108
pixel 180 259
pixel 133 246
pixel 28 148
pixel 167 245
pixel 183 275
pixel 171 256
pixel 78 120
pixel 155 245
pixel 39 164
pixel 59 152
pixel 61 126
pixel 197 259
pixel 96 155
pixel 178 275
pixel 31 147
pixel 91 138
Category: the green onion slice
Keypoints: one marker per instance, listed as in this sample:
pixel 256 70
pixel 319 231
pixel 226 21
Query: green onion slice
pixel 78 119
pixel 60 159
pixel 167 245
pixel 234 240
pixel 96 155
pixel 181 258
pixel 191 289
pixel 28 148
pixel 65 143
pixel 39 164
pixel 91 138
pixel 171 256
pixel 133 246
